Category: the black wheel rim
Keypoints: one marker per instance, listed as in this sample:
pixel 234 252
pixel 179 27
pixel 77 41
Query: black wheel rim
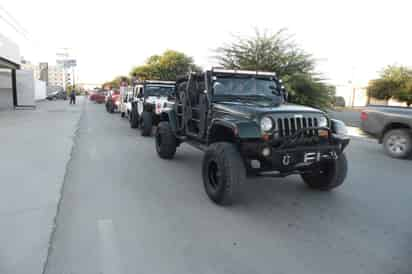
pixel 214 177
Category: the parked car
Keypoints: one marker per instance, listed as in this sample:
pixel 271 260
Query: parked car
pixel 150 100
pixel 113 101
pixel 98 97
pixel 392 127
pixel 245 126
pixel 57 95
pixel 339 101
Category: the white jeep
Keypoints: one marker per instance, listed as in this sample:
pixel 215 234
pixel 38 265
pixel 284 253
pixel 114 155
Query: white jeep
pixel 151 98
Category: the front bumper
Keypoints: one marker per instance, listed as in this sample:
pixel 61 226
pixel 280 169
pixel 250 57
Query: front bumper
pixel 296 153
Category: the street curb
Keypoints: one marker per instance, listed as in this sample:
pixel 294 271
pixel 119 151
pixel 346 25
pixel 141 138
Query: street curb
pixel 53 232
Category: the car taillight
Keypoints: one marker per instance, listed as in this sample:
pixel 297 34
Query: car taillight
pixel 364 116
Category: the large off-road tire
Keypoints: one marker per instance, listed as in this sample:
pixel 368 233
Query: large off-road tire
pixel 134 119
pixel 223 171
pixel 146 123
pixel 165 141
pixel 398 143
pixel 328 175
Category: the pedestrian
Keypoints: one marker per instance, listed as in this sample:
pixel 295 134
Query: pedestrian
pixel 73 97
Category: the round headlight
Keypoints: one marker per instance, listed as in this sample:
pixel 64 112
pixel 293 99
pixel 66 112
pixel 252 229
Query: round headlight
pixel 323 122
pixel 266 124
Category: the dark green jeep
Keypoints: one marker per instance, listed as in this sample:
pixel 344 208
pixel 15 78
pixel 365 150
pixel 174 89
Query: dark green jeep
pixel 242 121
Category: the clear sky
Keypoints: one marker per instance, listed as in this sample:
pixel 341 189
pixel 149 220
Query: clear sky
pixel 352 39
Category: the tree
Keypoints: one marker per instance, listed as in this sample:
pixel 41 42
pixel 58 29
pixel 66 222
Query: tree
pixel 167 66
pixel 393 82
pixel 119 79
pixel 405 93
pixel 381 89
pixel 115 83
pixel 277 52
pixel 308 90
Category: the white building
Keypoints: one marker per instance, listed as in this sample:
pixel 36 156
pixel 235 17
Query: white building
pixel 55 73
pixel 357 96
pixel 56 76
pixel 354 95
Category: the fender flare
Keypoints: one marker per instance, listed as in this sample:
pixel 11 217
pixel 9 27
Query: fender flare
pixel 171 118
pixel 241 128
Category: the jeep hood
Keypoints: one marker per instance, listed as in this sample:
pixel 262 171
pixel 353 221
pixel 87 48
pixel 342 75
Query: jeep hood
pixel 252 110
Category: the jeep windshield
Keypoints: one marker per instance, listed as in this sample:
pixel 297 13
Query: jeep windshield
pixel 158 90
pixel 246 87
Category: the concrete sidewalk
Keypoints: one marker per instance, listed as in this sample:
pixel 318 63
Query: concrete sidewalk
pixel 35 148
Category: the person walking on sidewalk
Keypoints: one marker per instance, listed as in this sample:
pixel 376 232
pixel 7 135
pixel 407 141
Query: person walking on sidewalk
pixel 73 97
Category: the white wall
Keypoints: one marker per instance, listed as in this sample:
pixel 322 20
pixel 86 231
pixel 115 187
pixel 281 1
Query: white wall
pixel 347 92
pixel 6 92
pixel 25 87
pixel 390 102
pixel 40 90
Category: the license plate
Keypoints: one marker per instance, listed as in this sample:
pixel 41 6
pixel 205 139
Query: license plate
pixel 289 159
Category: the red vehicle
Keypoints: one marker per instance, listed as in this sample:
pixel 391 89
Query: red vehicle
pixel 98 97
pixel 113 101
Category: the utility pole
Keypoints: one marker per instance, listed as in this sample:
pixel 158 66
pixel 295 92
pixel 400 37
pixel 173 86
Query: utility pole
pixel 353 87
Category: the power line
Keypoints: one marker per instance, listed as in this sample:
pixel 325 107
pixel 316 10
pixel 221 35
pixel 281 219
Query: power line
pixel 14 27
pixel 14 23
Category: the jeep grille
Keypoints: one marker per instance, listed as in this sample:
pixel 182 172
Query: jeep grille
pixel 288 126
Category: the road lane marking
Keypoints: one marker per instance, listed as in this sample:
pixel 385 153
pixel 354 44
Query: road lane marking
pixel 109 254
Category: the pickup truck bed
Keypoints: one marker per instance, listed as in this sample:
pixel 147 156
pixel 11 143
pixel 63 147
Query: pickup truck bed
pixel 391 126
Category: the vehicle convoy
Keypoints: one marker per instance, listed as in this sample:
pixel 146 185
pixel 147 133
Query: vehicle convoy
pixel 392 127
pixel 242 120
pixel 150 100
pixel 113 101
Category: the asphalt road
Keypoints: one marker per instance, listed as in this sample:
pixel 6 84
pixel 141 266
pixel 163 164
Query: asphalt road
pixel 351 117
pixel 124 210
